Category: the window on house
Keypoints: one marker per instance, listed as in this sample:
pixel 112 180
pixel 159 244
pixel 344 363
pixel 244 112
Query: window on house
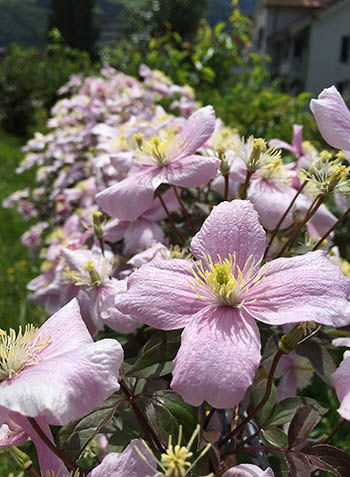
pixel 344 89
pixel 345 49
pixel 260 37
pixel 298 48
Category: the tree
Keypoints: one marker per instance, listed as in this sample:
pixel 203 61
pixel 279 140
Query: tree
pixel 74 19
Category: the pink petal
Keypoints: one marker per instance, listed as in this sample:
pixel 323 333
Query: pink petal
pixel 271 201
pixel 159 294
pixel 129 198
pixel 11 434
pixel 157 212
pixel 341 342
pixel 127 464
pixel 231 227
pixel 197 130
pixel 49 463
pixel 66 330
pixel 114 230
pixel 341 380
pixel 218 358
pixel 66 386
pixel 192 171
pixel 103 310
pixel 282 145
pixel 303 288
pixel 140 235
pixel 248 470
pixel 332 117
pixel 298 139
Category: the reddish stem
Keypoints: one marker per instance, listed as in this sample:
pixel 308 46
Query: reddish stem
pixel 171 220
pixel 184 210
pixel 71 464
pixel 283 217
pixel 332 228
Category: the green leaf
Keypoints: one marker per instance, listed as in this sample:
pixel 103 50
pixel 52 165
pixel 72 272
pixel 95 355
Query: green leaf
pixel 167 411
pixel 257 394
pixel 155 361
pixel 286 409
pixel 75 436
pixel 126 426
pixel 274 436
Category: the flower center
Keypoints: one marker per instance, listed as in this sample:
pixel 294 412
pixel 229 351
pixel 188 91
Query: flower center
pixel 19 351
pixel 225 283
pixel 87 275
pixel 159 150
pixel 175 461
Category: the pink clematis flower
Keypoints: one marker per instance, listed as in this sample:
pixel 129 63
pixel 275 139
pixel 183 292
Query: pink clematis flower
pixel 341 381
pixel 248 470
pixel 170 161
pixel 55 374
pixel 333 119
pixel 296 147
pixel 218 298
pixel 129 463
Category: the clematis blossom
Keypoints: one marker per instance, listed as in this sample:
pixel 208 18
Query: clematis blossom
pixel 55 374
pixel 218 298
pixel 333 119
pixel 248 470
pixel 171 161
pixel 128 463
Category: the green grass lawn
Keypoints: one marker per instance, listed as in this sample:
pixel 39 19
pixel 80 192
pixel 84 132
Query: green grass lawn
pixel 16 269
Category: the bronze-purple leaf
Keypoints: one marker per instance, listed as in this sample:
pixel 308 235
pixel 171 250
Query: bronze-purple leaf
pixel 305 419
pixel 329 458
pixel 298 464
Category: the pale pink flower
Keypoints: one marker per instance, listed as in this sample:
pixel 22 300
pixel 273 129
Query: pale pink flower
pixel 55 374
pixel 341 381
pixel 333 119
pixel 129 463
pixel 92 272
pixel 163 162
pixel 218 298
pixel 297 143
pixel 295 372
pixel 248 470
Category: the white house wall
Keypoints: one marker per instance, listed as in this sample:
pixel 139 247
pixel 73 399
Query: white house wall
pixel 325 68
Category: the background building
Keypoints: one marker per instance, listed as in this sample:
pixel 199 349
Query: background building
pixel 308 41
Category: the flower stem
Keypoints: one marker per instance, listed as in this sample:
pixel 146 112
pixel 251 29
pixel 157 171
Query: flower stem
pixel 283 217
pixel 171 220
pixel 244 189
pixel 226 178
pixel 335 430
pixel 309 214
pixel 152 439
pixel 261 404
pixel 208 418
pixel 271 448
pixel 183 207
pixel 33 471
pixel 332 228
pixel 72 465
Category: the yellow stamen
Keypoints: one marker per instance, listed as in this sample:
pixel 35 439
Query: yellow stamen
pixel 225 281
pixel 18 352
